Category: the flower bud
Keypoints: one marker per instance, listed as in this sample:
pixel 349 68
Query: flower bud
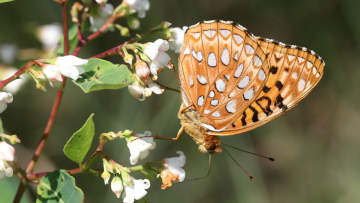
pixel 142 70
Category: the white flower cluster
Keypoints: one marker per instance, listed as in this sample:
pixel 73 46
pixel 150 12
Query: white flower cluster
pixel 140 6
pixel 104 12
pixel 5 98
pixel 6 154
pixel 156 51
pixel 68 66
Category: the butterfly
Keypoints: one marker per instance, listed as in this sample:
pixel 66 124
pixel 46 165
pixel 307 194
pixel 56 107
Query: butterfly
pixel 232 81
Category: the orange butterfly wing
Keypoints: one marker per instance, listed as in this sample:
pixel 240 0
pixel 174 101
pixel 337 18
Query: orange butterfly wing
pixel 222 69
pixel 294 72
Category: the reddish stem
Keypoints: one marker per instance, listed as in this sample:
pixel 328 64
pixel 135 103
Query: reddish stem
pixel 41 174
pixel 110 52
pixel 16 75
pixel 54 110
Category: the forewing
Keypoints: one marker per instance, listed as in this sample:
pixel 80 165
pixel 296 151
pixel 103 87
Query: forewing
pixel 294 72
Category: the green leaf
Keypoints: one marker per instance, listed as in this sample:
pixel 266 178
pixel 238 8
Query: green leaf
pixel 73 41
pixel 100 74
pixel 1 127
pixel 4 1
pixel 80 142
pixel 58 186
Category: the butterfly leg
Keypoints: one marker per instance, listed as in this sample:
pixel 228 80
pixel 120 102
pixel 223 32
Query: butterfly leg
pixel 166 87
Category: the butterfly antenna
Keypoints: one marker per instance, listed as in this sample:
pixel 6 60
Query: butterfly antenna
pixel 238 164
pixel 208 172
pixel 252 153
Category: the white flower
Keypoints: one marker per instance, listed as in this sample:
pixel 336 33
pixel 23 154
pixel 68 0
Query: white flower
pixel 155 88
pixel 140 6
pixel 101 1
pixel 14 86
pixel 49 35
pixel 177 38
pixel 68 66
pixel 136 191
pixel 156 51
pixel 117 186
pixel 140 146
pixel 5 98
pixel 8 53
pixel 172 170
pixel 5 170
pixel 106 176
pixel 97 21
pixel 6 152
pixel 52 73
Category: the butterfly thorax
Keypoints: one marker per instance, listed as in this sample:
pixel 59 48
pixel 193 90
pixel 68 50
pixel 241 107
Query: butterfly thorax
pixel 191 122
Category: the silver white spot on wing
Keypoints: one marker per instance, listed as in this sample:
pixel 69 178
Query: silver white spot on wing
pixel 244 82
pixel 214 102
pixel 257 61
pixel 210 33
pixel 211 59
pixel 232 94
pixel 314 71
pixel 184 98
pixel 317 75
pixel 220 85
pixel 225 33
pixel 197 56
pixel 211 94
pixel 191 81
pixel 231 106
pixel 249 94
pixel 294 75
pixel 202 80
pixel 216 114
pixel 225 57
pixel 309 64
pixel 238 39
pixel 262 75
pixel 206 111
pixel 187 50
pixel 239 70
pixel 196 35
pixel 249 49
pixel 236 56
pixel 291 57
pixel 301 84
pixel 301 59
pixel 201 100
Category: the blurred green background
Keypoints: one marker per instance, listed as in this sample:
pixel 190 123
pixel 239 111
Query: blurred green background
pixel 316 145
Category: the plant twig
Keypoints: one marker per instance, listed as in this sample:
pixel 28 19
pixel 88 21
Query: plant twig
pixel 54 110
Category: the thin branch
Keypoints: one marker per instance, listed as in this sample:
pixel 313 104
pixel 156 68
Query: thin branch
pixel 51 120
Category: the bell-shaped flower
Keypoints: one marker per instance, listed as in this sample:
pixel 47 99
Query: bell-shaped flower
pixel 140 6
pixel 156 51
pixel 101 1
pixel 68 66
pixel 136 190
pixel 140 146
pixel 173 170
pixel 104 12
pixel 14 86
pixel 7 153
pixel 5 98
pixel 177 38
pixel 49 35
pixel 117 186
